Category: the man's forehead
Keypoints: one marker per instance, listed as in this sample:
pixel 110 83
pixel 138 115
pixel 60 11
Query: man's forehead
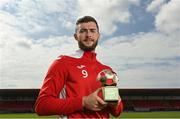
pixel 87 25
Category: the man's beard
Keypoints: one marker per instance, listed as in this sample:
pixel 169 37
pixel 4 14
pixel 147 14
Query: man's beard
pixel 87 48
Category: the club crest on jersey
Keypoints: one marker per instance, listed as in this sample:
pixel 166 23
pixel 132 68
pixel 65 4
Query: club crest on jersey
pixel 81 66
pixel 83 71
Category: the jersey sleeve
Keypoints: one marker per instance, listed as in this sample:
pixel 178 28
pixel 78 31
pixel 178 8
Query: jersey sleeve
pixel 48 101
pixel 116 110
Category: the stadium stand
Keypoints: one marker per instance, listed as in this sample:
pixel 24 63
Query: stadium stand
pixel 22 100
pixel 151 99
pixel 17 100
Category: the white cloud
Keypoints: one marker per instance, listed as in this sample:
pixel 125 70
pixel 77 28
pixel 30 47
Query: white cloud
pixel 27 62
pixel 45 16
pixel 143 59
pixel 168 18
pixel 4 2
pixel 145 45
pixel 107 12
pixel 41 17
pixel 155 5
pixel 22 19
pixel 150 78
pixel 53 7
pixel 23 59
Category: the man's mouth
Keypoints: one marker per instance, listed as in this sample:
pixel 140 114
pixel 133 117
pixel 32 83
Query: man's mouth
pixel 89 40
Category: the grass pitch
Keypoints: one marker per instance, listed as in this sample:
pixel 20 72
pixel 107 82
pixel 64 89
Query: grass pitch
pixel 164 114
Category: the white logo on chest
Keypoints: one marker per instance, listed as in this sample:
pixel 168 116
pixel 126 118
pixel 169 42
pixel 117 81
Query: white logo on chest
pixel 83 71
pixel 81 66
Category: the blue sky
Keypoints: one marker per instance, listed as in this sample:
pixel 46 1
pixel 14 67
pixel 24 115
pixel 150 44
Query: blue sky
pixel 139 39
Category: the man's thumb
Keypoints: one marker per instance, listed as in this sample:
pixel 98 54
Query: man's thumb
pixel 98 90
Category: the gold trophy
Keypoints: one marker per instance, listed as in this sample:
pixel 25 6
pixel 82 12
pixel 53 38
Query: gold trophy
pixel 109 81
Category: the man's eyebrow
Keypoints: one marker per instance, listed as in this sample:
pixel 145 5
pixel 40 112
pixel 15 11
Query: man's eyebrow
pixel 93 29
pixel 88 29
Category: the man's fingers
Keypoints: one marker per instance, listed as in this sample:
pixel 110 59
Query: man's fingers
pixel 101 101
pixel 97 108
pixel 97 91
pixel 94 102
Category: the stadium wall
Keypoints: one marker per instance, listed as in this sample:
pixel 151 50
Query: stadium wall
pixel 22 100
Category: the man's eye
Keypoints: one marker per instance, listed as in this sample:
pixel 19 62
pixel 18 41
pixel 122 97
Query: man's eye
pixel 82 30
pixel 93 31
pixel 85 30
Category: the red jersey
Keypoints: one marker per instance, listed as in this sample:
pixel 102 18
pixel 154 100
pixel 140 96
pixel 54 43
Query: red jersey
pixel 69 79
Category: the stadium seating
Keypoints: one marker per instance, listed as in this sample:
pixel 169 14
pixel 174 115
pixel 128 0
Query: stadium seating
pixel 22 100
pixel 152 105
pixel 26 106
pixel 175 104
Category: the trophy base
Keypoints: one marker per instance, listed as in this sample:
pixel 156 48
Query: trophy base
pixel 110 94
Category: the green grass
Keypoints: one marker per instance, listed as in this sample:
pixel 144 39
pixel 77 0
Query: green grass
pixel 164 114
pixel 26 115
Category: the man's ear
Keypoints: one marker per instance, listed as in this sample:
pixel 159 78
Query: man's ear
pixel 75 36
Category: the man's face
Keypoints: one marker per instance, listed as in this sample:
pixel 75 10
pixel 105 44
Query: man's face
pixel 87 36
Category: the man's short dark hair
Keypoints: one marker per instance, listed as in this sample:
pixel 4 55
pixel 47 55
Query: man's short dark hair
pixel 86 19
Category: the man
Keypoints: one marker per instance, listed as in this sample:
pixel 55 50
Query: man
pixel 71 88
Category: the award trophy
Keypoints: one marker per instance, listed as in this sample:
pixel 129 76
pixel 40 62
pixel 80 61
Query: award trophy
pixel 109 81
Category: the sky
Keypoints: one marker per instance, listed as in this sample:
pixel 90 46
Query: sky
pixel 140 39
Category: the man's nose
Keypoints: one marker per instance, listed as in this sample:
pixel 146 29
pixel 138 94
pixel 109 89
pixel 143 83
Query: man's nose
pixel 88 34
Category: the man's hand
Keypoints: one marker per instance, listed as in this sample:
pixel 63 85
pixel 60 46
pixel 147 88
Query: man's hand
pixel 114 104
pixel 94 102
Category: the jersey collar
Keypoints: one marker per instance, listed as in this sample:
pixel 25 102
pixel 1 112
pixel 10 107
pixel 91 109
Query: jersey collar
pixel 88 55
